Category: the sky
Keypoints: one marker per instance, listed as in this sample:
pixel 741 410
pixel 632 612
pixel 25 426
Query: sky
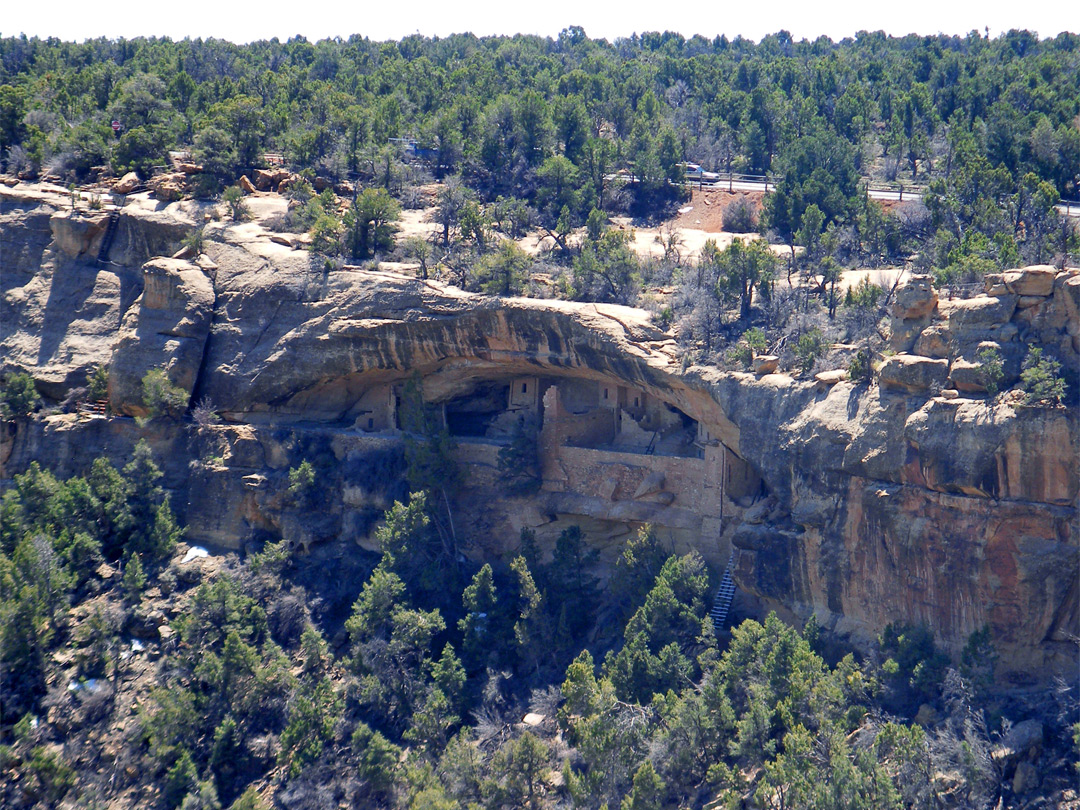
pixel 246 22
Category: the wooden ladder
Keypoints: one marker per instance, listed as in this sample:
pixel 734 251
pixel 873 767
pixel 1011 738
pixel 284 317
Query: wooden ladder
pixel 110 234
pixel 722 603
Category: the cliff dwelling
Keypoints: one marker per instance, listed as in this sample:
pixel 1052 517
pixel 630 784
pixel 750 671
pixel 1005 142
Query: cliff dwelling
pixel 611 457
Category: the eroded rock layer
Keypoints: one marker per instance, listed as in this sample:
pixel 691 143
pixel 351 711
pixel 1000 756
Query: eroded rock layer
pixel 916 500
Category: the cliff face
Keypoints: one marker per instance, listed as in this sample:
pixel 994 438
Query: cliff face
pixel 897 502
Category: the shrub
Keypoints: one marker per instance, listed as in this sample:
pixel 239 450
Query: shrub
pixel 756 340
pixel 196 240
pixel 234 199
pixel 204 413
pixel 991 369
pixel 249 800
pixel 97 383
pixel 861 367
pixel 20 396
pixel 740 216
pixel 753 342
pixel 864 295
pixel 134 579
pixel 302 480
pixel 1041 379
pixel 52 774
pixel 741 355
pixel 810 346
pixel 311 725
pixel 160 396
pixel 180 780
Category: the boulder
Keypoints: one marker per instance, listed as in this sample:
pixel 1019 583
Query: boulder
pixel 344 188
pixel 264 180
pixel 1025 779
pixel 169 187
pixel 933 341
pixel 967 376
pixel 1037 280
pixel 76 234
pixel 766 364
pixel 1022 740
pixel 827 379
pixel 914 300
pixel 322 184
pixel 246 185
pixel 981 311
pixel 913 374
pixel 126 184
pixel 189 168
pixel 167 326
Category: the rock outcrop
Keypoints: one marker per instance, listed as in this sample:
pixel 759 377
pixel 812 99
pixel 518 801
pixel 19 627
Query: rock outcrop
pixel 862 504
pixel 167 327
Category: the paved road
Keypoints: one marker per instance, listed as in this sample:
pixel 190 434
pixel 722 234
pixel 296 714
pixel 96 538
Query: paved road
pixel 1068 209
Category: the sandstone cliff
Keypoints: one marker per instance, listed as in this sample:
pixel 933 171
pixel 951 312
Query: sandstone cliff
pixel 915 500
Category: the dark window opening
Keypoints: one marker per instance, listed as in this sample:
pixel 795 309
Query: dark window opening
pixel 605 393
pixel 524 388
pixel 370 424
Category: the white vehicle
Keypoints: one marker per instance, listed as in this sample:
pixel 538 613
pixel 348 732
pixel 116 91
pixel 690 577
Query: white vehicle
pixel 692 171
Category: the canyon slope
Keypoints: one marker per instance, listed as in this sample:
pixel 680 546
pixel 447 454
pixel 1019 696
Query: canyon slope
pixel 911 499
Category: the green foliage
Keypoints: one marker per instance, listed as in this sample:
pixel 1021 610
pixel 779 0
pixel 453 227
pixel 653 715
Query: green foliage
pixel 569 584
pixel 97 383
pixel 809 347
pixel 249 800
pixel 519 460
pixel 20 397
pixel 504 271
pixel 978 658
pixel 636 570
pixel 914 667
pixel 53 536
pixel 480 636
pixel 665 634
pixel 377 758
pixel 756 340
pixel 991 369
pixel 864 295
pixel 160 397
pixel 648 792
pixel 606 270
pixel 861 367
pixel 233 197
pixel 531 628
pixel 153 531
pixel 311 725
pixel 134 579
pixel 1041 379
pixel 180 780
pixel 302 482
pixel 522 763
pixel 370 222
pixel 54 778
pixel 204 797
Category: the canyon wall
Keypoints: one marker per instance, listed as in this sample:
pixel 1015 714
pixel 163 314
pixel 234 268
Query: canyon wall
pixel 912 499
